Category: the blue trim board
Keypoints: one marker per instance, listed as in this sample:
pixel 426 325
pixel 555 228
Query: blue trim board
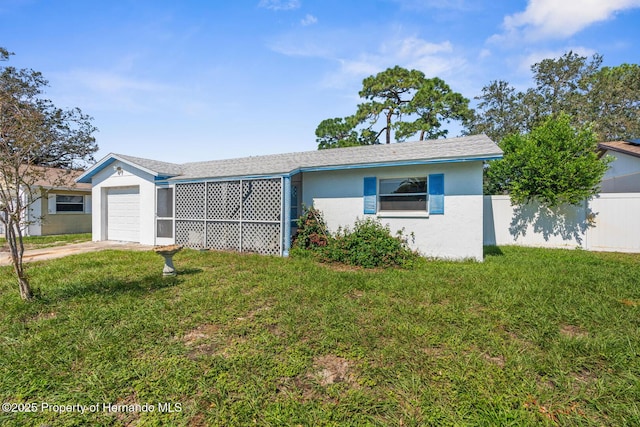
pixel 226 178
pixel 86 177
pixel 436 193
pixel 370 195
pixel 286 215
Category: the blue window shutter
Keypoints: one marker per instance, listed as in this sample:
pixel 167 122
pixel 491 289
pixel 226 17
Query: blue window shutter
pixel 436 194
pixel 370 188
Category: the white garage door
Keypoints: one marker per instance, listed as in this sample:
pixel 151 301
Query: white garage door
pixel 123 214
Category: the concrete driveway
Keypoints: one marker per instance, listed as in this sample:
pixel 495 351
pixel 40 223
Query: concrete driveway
pixel 71 249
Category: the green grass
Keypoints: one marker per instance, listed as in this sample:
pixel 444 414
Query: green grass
pixel 40 242
pixel 529 337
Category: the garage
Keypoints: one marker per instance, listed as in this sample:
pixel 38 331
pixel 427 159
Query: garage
pixel 123 214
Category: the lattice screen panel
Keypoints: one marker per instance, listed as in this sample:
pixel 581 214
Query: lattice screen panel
pixel 190 200
pixel 261 238
pixel 223 200
pixel 223 236
pixel 190 234
pixel 214 215
pixel 261 200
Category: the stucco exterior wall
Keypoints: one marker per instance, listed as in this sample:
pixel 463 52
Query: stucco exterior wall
pixel 457 234
pixel 127 176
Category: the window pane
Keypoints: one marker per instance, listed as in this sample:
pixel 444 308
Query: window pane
pixel 165 203
pixel 68 199
pixel 403 203
pixel 62 207
pixel 403 185
pixel 165 228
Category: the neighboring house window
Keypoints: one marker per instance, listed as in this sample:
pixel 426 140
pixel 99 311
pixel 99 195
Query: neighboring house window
pixel 61 203
pixel 65 203
pixel 412 194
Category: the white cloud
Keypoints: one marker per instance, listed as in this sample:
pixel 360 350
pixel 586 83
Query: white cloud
pixel 433 59
pixel 545 19
pixel 309 20
pixel 111 90
pixel 279 4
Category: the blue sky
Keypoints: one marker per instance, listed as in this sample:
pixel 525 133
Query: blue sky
pixel 202 80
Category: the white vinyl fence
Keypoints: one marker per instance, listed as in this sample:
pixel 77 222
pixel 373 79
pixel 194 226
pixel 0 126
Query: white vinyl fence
pixel 609 222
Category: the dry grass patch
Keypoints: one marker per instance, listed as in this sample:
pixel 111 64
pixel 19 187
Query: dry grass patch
pixel 572 331
pixel 496 360
pixel 331 369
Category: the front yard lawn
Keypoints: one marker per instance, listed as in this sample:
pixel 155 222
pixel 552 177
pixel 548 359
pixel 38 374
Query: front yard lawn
pixel 40 242
pixel 529 337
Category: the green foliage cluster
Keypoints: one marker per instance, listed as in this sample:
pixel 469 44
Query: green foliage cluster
pixel 401 101
pixel 607 99
pixel 370 244
pixel 553 164
pixel 589 102
pixel 312 230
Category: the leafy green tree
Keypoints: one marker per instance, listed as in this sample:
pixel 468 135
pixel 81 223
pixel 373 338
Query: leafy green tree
pixel 389 93
pixel 613 102
pixel 342 132
pixel 500 111
pixel 555 163
pixel 562 83
pixel 405 102
pixel 607 99
pixel 434 103
pixel 33 132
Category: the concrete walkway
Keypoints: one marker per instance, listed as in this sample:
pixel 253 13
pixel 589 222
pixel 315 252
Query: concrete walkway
pixel 72 249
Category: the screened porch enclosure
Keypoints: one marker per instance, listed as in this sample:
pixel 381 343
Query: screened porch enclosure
pixel 242 215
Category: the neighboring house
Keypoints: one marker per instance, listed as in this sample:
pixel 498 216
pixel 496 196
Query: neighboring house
pixel 58 205
pixel 430 189
pixel 623 175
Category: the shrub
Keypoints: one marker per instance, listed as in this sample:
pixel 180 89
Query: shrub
pixel 370 244
pixel 312 230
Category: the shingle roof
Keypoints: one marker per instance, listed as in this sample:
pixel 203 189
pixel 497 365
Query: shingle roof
pixel 622 147
pixel 54 178
pixel 161 168
pixel 477 147
pixel 469 147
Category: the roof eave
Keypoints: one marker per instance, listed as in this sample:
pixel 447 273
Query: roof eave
pixel 605 148
pixel 109 159
pixel 478 158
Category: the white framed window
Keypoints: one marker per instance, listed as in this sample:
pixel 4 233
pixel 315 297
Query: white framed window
pixel 69 203
pixel 404 196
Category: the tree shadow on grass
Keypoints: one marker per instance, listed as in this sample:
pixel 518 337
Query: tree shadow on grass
pixel 111 286
pixel 570 222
